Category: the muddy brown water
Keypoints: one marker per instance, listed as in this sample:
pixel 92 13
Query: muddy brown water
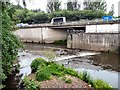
pixel 100 65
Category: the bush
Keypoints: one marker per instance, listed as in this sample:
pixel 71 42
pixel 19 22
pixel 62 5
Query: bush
pixel 56 69
pixel 30 84
pixel 43 74
pixel 37 62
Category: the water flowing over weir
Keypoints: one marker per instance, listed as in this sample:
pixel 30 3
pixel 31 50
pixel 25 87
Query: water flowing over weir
pixel 99 65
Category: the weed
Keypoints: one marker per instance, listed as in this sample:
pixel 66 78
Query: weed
pixel 43 74
pixel 30 84
pixel 67 80
pixel 37 62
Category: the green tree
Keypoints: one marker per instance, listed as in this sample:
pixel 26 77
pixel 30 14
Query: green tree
pixel 10 43
pixel 95 5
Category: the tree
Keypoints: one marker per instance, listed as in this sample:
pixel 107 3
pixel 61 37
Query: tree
pixel 10 43
pixel 70 5
pixel 111 12
pixel 53 5
pixel 73 5
pixel 95 5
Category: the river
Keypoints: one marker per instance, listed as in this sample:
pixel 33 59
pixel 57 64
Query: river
pixel 100 65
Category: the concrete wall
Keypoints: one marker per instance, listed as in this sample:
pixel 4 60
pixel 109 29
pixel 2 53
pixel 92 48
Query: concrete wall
pixel 94 41
pixel 42 35
pixel 106 28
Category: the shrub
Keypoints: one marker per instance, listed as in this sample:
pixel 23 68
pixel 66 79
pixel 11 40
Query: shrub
pixel 43 74
pixel 37 62
pixel 56 69
pixel 30 84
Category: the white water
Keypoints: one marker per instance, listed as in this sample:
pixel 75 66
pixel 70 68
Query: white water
pixel 80 54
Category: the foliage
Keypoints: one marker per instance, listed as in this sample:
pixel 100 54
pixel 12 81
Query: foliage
pixel 43 74
pixel 10 43
pixel 37 62
pixel 27 16
pixel 61 42
pixel 56 69
pixel 87 78
pixel 50 55
pixel 73 5
pixel 53 6
pixel 45 71
pixel 95 5
pixel 2 75
pixel 71 72
pixel 67 80
pixel 101 84
pixel 30 84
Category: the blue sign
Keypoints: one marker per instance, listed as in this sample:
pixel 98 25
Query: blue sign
pixel 107 18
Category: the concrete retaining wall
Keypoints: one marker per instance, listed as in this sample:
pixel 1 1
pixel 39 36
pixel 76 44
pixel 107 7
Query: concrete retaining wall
pixel 42 35
pixel 94 41
pixel 106 28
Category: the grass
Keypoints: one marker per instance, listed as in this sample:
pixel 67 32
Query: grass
pixel 47 69
pixel 30 84
pixel 67 80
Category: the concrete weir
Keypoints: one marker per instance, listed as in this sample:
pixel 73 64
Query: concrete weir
pixel 94 41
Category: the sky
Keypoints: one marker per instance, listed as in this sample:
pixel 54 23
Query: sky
pixel 41 4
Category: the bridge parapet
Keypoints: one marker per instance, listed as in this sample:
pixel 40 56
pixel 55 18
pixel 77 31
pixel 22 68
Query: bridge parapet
pixel 73 23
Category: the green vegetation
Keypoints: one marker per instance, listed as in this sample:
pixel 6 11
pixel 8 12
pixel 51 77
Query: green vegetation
pixel 67 80
pixel 36 63
pixel 27 16
pixel 10 43
pixel 43 74
pixel 101 84
pixel 48 69
pixel 60 42
pixel 30 84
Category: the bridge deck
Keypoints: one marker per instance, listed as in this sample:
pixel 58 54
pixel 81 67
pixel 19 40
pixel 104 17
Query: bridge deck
pixel 72 24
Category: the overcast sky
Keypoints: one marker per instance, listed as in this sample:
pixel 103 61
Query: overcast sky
pixel 41 4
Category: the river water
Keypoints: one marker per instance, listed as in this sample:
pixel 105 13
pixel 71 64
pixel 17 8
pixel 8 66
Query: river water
pixel 100 65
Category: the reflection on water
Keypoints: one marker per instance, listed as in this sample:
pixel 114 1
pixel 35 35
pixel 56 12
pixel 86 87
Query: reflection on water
pixel 99 65
pixel 108 61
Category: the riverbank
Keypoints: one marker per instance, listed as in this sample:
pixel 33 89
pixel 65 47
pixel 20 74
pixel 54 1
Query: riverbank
pixel 92 62
pixel 52 75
